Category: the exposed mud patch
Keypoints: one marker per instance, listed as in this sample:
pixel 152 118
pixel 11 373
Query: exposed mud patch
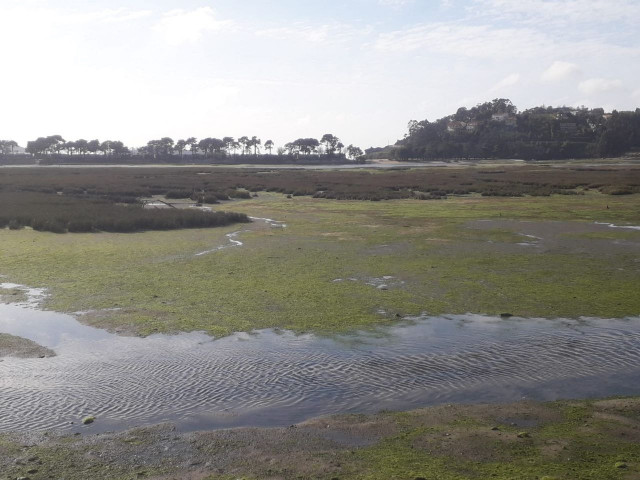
pixel 12 346
pixel 560 237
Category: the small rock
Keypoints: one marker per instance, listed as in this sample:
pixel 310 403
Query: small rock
pixel 523 435
pixel 383 287
pixel 88 419
pixel 32 471
pixel 494 428
pixel 621 465
pixel 506 315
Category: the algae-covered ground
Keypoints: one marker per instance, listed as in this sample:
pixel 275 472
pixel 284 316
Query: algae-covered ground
pixel 340 265
pixel 590 440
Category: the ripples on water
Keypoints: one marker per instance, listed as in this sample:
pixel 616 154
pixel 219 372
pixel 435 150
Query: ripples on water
pixel 278 378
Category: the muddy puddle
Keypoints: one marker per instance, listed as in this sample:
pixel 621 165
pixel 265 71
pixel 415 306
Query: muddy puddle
pixel 269 378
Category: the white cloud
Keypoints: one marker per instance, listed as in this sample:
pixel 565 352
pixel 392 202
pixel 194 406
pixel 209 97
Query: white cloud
pixel 107 16
pixel 560 70
pixel 178 27
pixel 599 85
pixel 328 33
pixel 563 12
pixel 507 81
pixel 478 41
pixel 395 3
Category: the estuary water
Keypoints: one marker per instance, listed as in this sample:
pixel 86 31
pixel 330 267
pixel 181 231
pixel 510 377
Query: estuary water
pixel 275 378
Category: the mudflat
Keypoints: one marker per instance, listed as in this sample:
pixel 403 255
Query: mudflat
pixel 525 440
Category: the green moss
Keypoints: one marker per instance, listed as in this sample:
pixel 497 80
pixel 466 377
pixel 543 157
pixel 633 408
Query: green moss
pixel 284 277
pixel 555 449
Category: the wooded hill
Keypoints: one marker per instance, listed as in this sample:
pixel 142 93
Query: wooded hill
pixel 497 130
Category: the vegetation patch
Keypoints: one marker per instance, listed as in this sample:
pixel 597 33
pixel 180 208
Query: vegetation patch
pixel 120 184
pixel 590 440
pixel 73 214
pixel 285 277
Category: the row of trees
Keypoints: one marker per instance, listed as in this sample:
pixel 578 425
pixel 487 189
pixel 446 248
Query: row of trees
pixel 497 130
pixel 207 146
pixel 329 145
pixel 55 144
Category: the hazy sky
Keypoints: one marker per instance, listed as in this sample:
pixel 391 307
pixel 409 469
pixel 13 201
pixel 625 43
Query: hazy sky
pixel 134 70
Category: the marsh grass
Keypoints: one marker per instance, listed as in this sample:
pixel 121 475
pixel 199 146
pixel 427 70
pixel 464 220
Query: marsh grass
pixel 73 214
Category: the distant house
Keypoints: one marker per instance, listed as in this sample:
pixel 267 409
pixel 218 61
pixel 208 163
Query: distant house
pixel 455 126
pixel 472 126
pixel 506 118
pixel 15 151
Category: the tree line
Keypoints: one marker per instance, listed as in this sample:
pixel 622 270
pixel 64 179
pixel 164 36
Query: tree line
pixel 329 146
pixel 497 129
pixel 8 146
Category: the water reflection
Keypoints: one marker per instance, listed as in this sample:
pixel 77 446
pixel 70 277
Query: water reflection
pixel 278 378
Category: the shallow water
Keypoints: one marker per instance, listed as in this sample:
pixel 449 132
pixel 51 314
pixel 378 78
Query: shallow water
pixel 278 378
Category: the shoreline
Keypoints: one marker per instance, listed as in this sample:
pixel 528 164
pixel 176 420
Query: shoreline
pixel 597 438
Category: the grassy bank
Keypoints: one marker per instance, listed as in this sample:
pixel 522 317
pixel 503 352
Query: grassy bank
pixel 590 440
pixel 322 271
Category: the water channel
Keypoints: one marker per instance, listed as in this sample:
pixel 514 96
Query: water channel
pixel 269 377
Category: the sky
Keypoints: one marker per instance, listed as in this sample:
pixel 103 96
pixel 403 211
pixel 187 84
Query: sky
pixel 135 70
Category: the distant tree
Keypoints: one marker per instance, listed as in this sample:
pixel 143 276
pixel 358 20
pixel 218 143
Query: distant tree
pixel 82 146
pixel 291 148
pixel 57 143
pixel 166 145
pixel 308 145
pixel 305 146
pixel 180 146
pixel 217 145
pixel 339 147
pixel 33 147
pixel 44 145
pixel 70 147
pixel 255 142
pixel 205 145
pixel 244 142
pixel 7 146
pixel 228 144
pixel 118 148
pixel 268 145
pixel 93 146
pixel 193 144
pixel 105 147
pixel 330 143
pixel 354 152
